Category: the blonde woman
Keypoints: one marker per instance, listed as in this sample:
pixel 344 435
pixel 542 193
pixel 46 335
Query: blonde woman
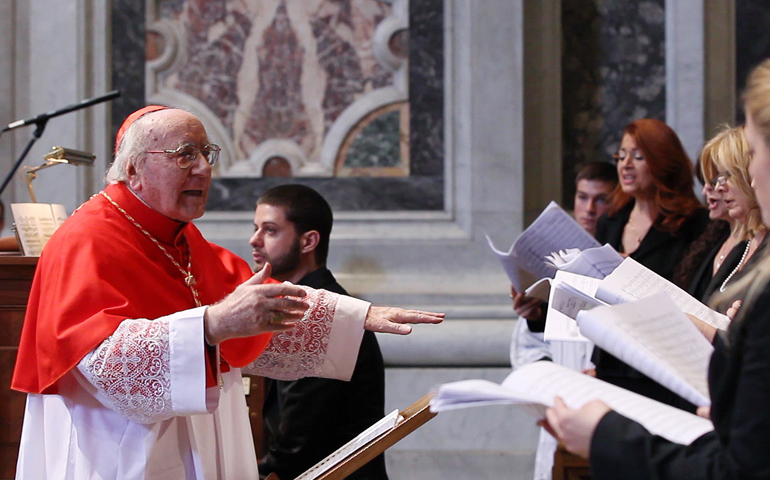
pixel 725 162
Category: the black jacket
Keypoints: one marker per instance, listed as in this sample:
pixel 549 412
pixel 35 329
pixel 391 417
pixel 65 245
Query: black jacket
pixel 660 252
pixel 739 383
pixel 308 419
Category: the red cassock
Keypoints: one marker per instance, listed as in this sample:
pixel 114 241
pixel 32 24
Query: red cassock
pixel 99 269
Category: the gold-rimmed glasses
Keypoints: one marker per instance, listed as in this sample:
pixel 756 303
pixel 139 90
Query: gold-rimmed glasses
pixel 720 179
pixel 187 153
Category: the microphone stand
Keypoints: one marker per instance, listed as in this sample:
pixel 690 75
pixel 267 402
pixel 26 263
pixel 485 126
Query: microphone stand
pixel 41 120
pixel 40 126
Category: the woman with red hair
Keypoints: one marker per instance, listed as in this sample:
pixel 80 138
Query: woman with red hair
pixel 654 216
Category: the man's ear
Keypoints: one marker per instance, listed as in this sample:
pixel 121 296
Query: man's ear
pixel 132 177
pixel 309 241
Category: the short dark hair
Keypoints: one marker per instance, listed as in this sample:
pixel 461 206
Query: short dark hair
pixel 601 171
pixel 306 209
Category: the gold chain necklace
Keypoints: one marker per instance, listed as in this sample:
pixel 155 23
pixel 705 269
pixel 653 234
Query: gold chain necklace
pixel 189 279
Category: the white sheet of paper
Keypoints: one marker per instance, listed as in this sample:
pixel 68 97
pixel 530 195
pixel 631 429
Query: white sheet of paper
pixel 570 293
pixel 35 223
pixel 536 385
pixel 553 230
pixel 633 281
pixel 655 337
pixel 593 262
pixel 386 423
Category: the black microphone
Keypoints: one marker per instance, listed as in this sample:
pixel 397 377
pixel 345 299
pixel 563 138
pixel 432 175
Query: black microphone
pixel 77 106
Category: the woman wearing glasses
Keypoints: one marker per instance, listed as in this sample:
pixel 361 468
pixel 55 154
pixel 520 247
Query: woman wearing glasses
pixel 725 162
pixel 654 216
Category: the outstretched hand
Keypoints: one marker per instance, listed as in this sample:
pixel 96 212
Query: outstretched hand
pixel 393 319
pixel 254 308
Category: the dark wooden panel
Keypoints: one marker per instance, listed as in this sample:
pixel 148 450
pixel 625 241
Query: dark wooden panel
pixel 12 402
pixel 255 400
pixel 567 466
pixel 11 321
pixel 15 281
pixel 8 455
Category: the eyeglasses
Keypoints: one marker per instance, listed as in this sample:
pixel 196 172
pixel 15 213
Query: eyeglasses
pixel 720 179
pixel 187 153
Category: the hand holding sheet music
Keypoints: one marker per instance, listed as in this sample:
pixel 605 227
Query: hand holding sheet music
pixel 535 386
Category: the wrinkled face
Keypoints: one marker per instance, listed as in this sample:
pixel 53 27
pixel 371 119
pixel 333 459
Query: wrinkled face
pixel 177 193
pixel 759 169
pixel 591 202
pixel 633 171
pixel 275 240
pixel 715 203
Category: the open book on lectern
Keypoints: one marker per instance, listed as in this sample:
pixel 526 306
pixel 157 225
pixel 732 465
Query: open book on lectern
pixel 34 224
pixel 369 444
pixel 534 387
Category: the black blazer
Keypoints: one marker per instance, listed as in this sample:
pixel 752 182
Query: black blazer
pixel 700 285
pixel 739 383
pixel 660 252
pixel 309 418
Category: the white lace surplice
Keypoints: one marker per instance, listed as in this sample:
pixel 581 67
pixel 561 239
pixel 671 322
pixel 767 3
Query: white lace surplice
pixel 137 406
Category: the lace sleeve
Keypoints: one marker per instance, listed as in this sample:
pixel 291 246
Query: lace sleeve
pixel 131 370
pixel 301 351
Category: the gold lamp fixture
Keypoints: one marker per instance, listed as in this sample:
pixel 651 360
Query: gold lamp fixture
pixel 57 156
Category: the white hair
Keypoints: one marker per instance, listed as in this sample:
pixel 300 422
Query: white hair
pixel 134 145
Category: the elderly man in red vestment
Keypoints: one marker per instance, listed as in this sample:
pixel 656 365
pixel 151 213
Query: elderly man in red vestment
pixel 137 327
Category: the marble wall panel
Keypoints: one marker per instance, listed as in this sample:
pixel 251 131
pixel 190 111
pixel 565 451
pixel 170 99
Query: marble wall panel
pixel 426 86
pixel 752 42
pixel 128 59
pixel 613 72
pixel 287 69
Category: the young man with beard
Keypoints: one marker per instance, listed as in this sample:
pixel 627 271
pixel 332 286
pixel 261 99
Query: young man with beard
pixel 307 419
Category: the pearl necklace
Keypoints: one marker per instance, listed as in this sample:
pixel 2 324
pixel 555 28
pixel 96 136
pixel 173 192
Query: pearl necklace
pixel 189 279
pixel 737 267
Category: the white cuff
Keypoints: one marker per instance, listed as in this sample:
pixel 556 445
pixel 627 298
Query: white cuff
pixel 188 361
pixel 345 338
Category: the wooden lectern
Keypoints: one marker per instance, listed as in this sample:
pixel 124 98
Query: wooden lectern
pixel 414 417
pixel 568 466
pixel 16 274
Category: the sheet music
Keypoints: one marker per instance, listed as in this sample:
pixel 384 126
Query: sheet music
pixel 552 231
pixel 633 281
pixel 655 337
pixel 570 293
pixel 537 384
pixel 382 426
pixel 593 262
pixel 59 214
pixel 35 223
